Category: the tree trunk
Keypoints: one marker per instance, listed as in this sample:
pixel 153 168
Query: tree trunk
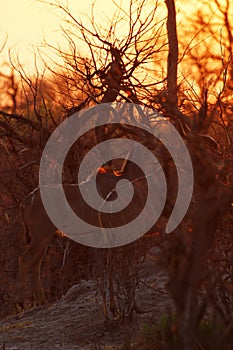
pixel 172 60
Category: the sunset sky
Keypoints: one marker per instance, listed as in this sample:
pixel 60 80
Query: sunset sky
pixel 25 21
pixel 29 22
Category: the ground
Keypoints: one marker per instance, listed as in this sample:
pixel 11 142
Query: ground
pixel 76 321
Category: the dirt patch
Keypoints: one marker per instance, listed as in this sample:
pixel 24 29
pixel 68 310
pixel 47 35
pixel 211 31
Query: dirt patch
pixel 77 322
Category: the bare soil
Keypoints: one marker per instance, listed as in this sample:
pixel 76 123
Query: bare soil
pixel 76 321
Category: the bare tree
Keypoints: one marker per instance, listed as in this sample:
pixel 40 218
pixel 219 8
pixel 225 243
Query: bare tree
pixel 115 64
pixel 172 61
pixel 207 59
pixel 189 254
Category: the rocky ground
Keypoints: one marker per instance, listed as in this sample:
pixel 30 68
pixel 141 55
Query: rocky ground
pixel 76 321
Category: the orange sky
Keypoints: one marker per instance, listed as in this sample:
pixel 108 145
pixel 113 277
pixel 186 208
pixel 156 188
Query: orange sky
pixel 26 21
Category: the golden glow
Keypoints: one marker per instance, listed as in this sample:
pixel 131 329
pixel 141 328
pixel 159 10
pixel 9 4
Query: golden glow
pixel 30 22
pixel 23 22
pixel 27 23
